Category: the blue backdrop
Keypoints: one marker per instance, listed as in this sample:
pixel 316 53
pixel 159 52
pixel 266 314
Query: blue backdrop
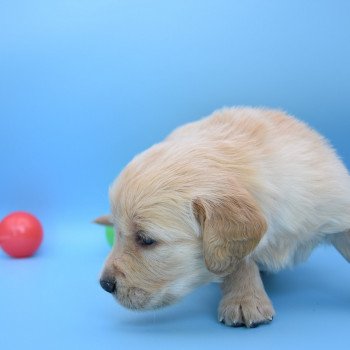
pixel 85 85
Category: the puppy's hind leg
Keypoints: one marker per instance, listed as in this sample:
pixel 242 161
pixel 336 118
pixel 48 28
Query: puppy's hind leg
pixel 341 242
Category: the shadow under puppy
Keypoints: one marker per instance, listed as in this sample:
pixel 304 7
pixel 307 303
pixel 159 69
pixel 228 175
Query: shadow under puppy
pixel 241 190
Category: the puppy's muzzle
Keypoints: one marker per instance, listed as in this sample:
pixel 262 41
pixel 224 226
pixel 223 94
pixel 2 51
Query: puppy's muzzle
pixel 108 285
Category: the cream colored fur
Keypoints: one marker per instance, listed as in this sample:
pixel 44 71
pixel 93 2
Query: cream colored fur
pixel 239 190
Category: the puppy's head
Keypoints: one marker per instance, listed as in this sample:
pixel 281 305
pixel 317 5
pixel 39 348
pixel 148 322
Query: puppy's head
pixel 177 227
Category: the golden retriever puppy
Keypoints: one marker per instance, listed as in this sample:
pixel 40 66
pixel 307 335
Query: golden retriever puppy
pixel 219 199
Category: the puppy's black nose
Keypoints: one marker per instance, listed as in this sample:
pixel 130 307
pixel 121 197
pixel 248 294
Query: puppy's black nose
pixel 108 285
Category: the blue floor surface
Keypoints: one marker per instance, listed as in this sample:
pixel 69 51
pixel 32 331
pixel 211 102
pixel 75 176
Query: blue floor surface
pixel 54 301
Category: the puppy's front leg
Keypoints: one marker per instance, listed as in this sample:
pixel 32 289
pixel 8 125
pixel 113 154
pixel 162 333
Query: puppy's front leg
pixel 245 301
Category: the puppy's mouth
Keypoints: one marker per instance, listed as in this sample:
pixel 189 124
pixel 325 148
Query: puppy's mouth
pixel 134 298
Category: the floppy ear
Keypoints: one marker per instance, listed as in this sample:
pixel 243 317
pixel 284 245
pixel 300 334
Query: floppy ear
pixel 232 226
pixel 105 220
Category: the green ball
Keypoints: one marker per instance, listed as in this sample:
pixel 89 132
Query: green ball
pixel 110 234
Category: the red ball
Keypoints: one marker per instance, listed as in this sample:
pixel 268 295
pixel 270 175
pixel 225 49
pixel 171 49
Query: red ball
pixel 21 234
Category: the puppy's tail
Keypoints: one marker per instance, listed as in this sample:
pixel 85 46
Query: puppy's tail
pixel 105 220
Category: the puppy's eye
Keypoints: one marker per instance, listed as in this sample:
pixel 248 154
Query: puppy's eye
pixel 143 240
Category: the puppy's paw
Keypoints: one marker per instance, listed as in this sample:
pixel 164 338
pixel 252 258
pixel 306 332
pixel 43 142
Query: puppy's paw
pixel 249 311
